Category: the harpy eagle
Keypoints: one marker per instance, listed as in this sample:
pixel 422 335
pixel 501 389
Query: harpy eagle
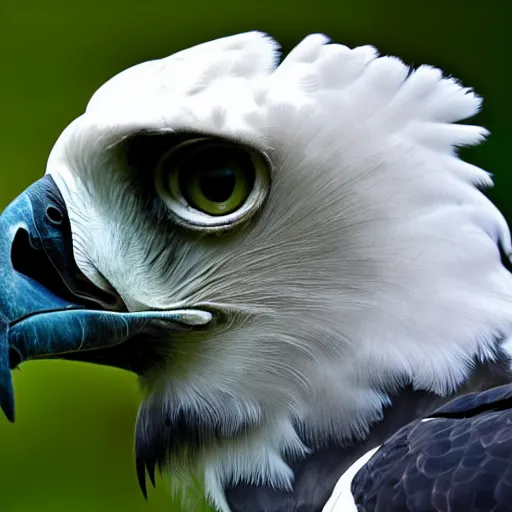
pixel 291 256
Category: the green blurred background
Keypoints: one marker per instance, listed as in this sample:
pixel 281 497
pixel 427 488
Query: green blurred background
pixel 72 445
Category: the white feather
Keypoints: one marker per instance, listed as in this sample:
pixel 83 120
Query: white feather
pixel 375 260
pixel 342 499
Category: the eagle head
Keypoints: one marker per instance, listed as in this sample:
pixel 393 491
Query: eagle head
pixel 295 241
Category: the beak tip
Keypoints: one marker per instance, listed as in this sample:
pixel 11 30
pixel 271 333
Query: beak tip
pixel 7 396
pixel 9 413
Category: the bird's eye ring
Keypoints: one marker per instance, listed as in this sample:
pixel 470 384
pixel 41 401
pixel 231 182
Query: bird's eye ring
pixel 212 184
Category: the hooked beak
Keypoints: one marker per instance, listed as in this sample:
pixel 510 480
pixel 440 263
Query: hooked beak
pixel 48 308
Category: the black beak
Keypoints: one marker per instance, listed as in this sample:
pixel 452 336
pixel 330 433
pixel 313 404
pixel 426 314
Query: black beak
pixel 48 308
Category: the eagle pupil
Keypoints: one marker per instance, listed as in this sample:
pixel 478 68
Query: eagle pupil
pixel 217 185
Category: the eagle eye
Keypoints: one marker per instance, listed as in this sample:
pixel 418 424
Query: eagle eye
pixel 212 184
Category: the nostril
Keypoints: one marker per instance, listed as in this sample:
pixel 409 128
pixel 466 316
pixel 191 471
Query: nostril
pixel 15 358
pixel 22 253
pixel 54 215
pixel 32 262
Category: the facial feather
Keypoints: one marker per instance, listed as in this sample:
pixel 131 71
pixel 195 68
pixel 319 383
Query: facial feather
pixel 374 262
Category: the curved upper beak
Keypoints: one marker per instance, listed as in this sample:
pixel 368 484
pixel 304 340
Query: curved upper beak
pixel 48 308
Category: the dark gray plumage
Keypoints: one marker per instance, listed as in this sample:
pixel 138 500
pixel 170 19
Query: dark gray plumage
pixel 459 460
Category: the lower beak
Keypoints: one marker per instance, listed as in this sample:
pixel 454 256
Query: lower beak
pixel 48 308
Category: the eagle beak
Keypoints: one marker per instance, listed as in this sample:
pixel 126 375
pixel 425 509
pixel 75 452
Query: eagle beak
pixel 48 308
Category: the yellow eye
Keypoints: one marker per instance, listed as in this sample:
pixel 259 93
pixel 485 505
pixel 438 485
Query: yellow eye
pixel 216 179
pixel 211 184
